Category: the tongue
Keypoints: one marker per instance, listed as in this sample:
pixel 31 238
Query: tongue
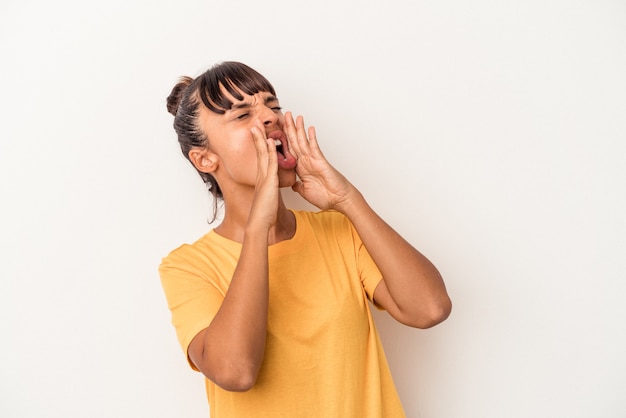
pixel 286 162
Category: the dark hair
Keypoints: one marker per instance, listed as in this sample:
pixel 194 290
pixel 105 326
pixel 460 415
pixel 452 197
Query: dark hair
pixel 208 90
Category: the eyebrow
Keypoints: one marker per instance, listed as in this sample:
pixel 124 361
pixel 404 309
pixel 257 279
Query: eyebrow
pixel 244 105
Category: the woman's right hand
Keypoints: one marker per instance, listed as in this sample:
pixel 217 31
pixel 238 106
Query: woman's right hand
pixel 230 350
pixel 265 205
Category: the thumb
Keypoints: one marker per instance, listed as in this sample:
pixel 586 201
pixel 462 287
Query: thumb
pixel 298 187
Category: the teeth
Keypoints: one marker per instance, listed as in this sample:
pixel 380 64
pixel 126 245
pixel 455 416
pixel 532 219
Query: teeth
pixel 277 142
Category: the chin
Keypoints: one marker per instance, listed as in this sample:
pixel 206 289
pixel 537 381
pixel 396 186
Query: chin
pixel 286 178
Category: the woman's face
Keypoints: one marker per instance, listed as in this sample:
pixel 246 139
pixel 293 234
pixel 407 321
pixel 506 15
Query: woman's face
pixel 231 143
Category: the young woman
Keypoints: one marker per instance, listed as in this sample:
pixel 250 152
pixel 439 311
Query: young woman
pixel 272 304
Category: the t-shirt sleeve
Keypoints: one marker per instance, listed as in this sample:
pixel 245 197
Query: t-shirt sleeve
pixel 192 298
pixel 368 271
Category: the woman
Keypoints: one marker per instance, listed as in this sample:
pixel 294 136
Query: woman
pixel 272 304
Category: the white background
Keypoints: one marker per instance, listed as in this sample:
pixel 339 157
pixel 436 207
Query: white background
pixel 491 134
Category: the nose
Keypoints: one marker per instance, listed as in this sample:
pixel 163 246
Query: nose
pixel 269 117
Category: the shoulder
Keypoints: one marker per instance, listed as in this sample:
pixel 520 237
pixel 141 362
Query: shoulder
pixel 187 249
pixel 324 219
pixel 328 223
pixel 190 254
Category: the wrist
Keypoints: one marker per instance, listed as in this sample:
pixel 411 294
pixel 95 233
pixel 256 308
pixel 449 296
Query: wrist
pixel 257 232
pixel 352 203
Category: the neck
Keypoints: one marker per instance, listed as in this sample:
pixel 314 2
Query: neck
pixel 236 217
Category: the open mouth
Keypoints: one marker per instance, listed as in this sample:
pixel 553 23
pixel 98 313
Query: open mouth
pixel 285 159
pixel 279 149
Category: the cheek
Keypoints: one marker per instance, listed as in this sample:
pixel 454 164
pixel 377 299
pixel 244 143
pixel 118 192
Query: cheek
pixel 238 153
pixel 239 143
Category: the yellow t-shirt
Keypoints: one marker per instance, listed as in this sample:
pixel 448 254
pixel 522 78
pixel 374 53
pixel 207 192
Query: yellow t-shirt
pixel 323 356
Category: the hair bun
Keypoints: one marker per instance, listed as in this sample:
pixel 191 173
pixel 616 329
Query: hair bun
pixel 173 100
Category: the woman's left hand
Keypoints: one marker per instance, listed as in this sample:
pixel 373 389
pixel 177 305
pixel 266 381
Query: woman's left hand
pixel 412 289
pixel 320 183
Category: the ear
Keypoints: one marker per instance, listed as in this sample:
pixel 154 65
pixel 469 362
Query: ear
pixel 204 160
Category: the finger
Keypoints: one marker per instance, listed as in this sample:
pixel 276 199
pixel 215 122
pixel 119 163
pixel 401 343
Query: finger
pixel 303 141
pixel 266 150
pixel 260 144
pixel 313 144
pixel 290 131
pixel 298 187
pixel 272 156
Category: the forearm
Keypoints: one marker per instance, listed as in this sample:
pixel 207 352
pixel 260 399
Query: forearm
pixel 234 343
pixel 413 282
pixel 412 289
